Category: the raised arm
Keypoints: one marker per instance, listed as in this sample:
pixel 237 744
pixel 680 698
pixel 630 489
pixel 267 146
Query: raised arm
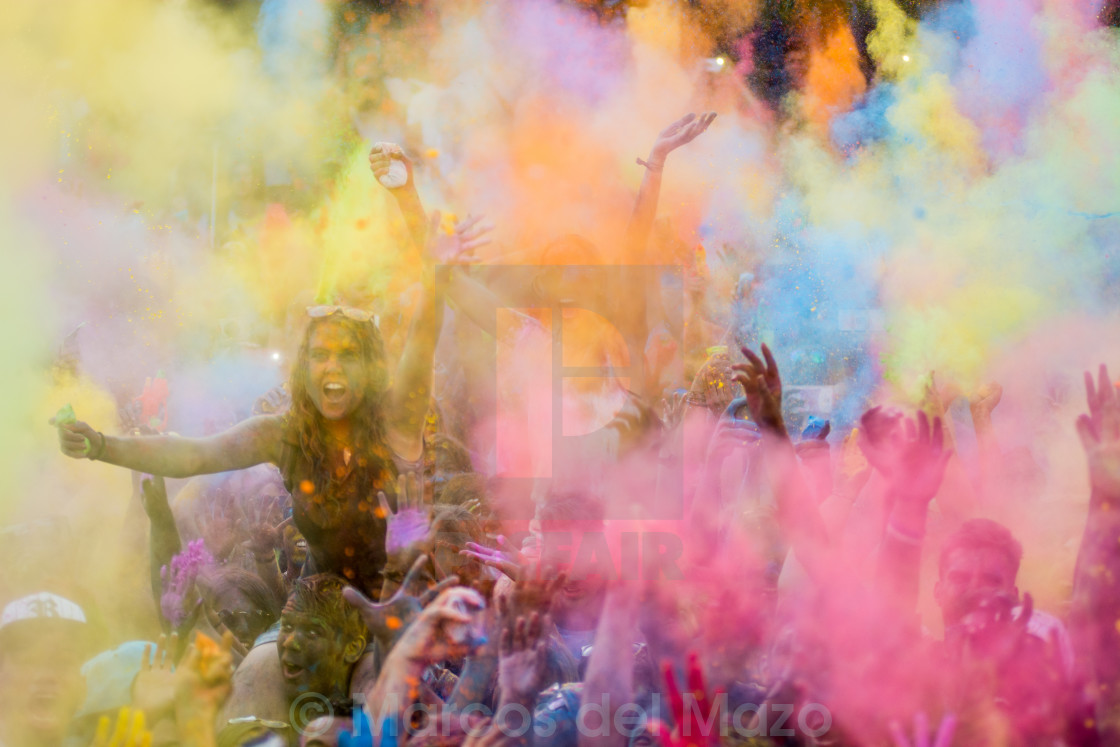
pixel 386 160
pixel 412 385
pixel 914 468
pixel 683 131
pixel 646 310
pixel 798 514
pixel 980 405
pixel 1096 582
pixel 610 670
pixel 250 442
pixel 165 542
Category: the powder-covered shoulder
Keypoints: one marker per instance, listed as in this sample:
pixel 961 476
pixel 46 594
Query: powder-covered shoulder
pixel 523 329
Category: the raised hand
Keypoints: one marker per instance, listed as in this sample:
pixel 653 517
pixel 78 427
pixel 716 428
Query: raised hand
pixel 634 425
pixel 442 629
pixel 732 432
pixel 816 430
pixel 522 658
pixel 912 457
pixel 153 496
pixel 881 433
pixel 506 558
pixel 683 131
pixel 943 738
pixel 925 456
pixel 459 246
pixel 1099 431
pixel 673 408
pixel 204 680
pixel 390 165
pixel 534 592
pixel 386 621
pixel 204 677
pixel 762 387
pixel 814 439
pixel 455 245
pixel 153 690
pixel 853 470
pixel 1098 397
pixel 939 394
pixel 698 716
pixel 985 399
pixel 410 523
pixel 265 538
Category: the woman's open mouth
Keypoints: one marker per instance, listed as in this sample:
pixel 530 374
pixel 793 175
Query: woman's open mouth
pixel 334 392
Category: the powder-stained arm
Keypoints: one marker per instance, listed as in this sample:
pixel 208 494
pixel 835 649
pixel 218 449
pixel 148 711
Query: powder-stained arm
pixel 381 159
pixel 165 542
pixel 1095 609
pixel 610 670
pixel 683 131
pixel 647 310
pixel 412 384
pixel 250 442
pixel 915 470
pixel 410 395
pixel 798 515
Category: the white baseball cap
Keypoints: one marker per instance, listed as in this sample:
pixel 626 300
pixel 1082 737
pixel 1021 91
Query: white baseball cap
pixel 41 605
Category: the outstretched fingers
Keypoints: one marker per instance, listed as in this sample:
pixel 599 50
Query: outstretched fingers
pixel 771 364
pixel 751 356
pixel 358 600
pixel 680 124
pixel 426 598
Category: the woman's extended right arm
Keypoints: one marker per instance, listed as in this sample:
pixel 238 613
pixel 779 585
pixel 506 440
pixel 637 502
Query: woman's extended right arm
pixel 250 442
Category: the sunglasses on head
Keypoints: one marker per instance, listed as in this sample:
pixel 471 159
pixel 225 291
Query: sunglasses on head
pixel 251 617
pixel 358 315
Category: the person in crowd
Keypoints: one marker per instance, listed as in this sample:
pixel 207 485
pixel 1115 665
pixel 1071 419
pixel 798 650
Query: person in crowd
pixel 696 572
pixel 347 435
pixel 44 638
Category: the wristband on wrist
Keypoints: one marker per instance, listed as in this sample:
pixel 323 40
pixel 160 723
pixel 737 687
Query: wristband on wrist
pixel 655 167
pixel 100 448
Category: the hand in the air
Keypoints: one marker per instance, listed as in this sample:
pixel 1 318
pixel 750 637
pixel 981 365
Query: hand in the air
pixel 683 131
pixel 386 621
pixel 390 165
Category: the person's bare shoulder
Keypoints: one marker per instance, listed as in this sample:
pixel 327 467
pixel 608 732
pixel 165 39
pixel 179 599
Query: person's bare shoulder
pixel 364 676
pixel 258 689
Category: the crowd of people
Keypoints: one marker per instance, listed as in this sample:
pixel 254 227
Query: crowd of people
pixel 635 539
pixel 379 589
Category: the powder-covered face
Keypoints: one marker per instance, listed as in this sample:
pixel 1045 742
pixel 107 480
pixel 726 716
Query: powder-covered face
pixel 240 615
pixel 583 557
pixel 41 684
pixel 970 573
pixel 313 655
pixel 336 374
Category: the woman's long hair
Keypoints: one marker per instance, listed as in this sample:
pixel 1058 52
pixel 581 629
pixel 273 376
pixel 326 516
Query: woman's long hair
pixel 308 424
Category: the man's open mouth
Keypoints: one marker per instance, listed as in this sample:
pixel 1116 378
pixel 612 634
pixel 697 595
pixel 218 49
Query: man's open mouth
pixel 292 670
